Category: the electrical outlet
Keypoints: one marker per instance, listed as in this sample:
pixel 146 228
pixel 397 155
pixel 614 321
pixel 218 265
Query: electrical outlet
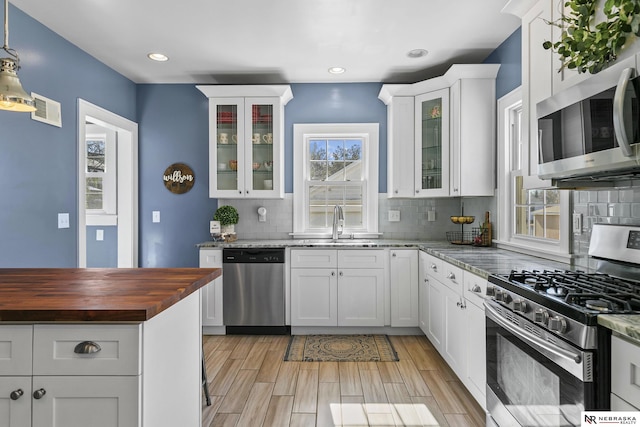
pixel 394 216
pixel 577 223
pixel 63 220
pixel 155 217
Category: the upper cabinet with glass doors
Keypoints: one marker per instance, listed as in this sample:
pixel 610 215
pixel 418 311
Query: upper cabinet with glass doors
pixel 445 127
pixel 246 140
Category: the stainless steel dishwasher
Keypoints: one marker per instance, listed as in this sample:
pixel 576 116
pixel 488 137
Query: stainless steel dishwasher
pixel 253 291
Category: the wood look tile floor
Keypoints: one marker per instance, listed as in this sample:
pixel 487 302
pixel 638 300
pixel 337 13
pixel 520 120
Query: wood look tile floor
pixel 252 386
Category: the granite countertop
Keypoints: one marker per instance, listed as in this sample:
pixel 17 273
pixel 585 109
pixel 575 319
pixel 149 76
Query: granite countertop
pixel 95 294
pixel 481 261
pixel 624 324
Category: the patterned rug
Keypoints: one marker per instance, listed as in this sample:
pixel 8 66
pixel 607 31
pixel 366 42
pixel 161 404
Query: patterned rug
pixel 340 348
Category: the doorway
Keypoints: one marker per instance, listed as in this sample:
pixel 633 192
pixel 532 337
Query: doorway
pixel 107 188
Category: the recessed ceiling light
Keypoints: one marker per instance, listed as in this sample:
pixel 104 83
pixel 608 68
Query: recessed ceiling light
pixel 337 70
pixel 417 53
pixel 158 57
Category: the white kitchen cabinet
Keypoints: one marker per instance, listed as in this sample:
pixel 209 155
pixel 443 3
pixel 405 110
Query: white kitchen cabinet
pixel 246 140
pixel 15 401
pixel 537 83
pixel 625 373
pixel 314 297
pixel 404 284
pixel 476 371
pixel 453 124
pixel 337 287
pixel 423 264
pixel 211 294
pixel 126 383
pixel 452 318
pixel 400 130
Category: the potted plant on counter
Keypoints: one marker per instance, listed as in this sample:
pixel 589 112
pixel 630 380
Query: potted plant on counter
pixel 228 217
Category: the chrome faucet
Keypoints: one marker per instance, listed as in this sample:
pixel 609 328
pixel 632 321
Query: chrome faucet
pixel 338 222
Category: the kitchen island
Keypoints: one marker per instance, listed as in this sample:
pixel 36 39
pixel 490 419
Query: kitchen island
pixel 101 347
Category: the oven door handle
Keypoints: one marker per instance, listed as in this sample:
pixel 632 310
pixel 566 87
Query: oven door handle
pixel 530 338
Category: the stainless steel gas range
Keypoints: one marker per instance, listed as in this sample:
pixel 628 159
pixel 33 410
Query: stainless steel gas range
pixel 547 358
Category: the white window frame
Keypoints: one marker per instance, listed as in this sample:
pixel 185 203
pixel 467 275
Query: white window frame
pixel 369 133
pixel 558 250
pixel 108 214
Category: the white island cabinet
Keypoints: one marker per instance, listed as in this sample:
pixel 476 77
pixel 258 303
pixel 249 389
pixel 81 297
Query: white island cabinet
pixel 65 364
pixel 211 294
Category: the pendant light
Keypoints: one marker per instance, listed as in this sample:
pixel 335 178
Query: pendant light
pixel 12 96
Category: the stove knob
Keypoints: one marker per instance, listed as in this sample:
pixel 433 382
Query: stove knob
pixel 541 316
pixel 558 324
pixel 491 291
pixel 503 296
pixel 520 305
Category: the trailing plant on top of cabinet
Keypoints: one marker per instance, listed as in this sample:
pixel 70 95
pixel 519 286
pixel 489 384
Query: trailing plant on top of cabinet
pixel 443 126
pixel 246 140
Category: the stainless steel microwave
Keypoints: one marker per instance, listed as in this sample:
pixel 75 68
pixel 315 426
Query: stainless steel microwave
pixel 591 131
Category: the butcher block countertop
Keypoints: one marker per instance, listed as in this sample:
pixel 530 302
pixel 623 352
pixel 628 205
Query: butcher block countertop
pixel 95 294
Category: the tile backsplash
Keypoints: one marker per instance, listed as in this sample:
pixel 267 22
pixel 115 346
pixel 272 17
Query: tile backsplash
pixel 611 206
pixel 413 224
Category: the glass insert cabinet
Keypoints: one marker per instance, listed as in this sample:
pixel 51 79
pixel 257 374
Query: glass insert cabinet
pixel 246 141
pixel 432 147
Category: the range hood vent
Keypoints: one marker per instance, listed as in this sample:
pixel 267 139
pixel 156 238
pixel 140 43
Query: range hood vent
pixel 48 111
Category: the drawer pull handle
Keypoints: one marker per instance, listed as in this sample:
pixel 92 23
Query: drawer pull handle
pixel 476 289
pixel 451 276
pixel 15 395
pixel 39 394
pixel 87 347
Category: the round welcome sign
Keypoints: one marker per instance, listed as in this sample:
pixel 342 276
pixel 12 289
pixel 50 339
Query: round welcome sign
pixel 179 178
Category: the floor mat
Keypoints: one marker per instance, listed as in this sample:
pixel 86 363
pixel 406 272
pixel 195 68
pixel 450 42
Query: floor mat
pixel 340 348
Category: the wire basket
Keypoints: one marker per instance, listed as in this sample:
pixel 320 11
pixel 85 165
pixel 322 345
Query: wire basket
pixel 460 237
pixel 482 236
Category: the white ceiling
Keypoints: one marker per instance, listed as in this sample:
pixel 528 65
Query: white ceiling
pixel 278 41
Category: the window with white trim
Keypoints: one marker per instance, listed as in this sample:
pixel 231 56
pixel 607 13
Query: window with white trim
pixel 100 175
pixel 531 218
pixel 335 164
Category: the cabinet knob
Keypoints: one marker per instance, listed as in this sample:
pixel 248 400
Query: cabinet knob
pixel 333 273
pixel 434 267
pixel 451 276
pixel 87 347
pixel 39 394
pixel 394 254
pixel 240 192
pixel 341 273
pixel 455 190
pixel 396 191
pixel 476 288
pixel 15 394
pixel 417 191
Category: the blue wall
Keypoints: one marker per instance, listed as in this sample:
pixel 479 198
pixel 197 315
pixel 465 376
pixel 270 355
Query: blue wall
pixel 38 165
pixel 38 162
pixel 509 54
pixel 102 253
pixel 173 128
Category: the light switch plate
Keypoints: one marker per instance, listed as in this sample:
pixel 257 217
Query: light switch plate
pixel 99 235
pixel 63 220
pixel 155 217
pixel 394 216
pixel 577 223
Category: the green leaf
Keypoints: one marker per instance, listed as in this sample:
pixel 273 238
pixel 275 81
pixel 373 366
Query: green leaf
pixel 547 45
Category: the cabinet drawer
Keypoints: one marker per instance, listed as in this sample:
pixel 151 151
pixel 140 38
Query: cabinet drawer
pixel 625 372
pixel 210 258
pixel 54 350
pixel 433 267
pixel 361 258
pixel 314 258
pixel 475 289
pixel 15 349
pixel 453 277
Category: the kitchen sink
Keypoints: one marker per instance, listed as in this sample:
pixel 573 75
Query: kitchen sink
pixel 337 242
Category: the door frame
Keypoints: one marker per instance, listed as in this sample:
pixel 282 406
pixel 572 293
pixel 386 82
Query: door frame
pixel 127 182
